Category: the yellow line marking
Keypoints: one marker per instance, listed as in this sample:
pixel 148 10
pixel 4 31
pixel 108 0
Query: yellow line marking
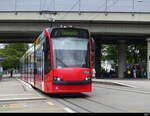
pixel 50 103
pixel 11 105
pixel 35 110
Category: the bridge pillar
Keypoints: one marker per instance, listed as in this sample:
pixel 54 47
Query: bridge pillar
pixel 148 58
pixel 98 59
pixel 122 47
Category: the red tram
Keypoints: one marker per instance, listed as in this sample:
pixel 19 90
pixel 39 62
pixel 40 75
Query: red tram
pixel 60 61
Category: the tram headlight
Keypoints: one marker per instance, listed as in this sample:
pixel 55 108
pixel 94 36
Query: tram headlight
pixel 88 78
pixel 57 79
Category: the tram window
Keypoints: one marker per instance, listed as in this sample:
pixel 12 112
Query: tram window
pixel 88 56
pixel 46 57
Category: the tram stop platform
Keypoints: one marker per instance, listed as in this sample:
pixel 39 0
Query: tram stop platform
pixel 16 89
pixel 133 83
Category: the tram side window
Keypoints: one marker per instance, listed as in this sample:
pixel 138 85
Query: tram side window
pixel 46 56
pixel 88 56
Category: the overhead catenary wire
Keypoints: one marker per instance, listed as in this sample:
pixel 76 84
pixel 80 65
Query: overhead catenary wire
pixel 113 3
pixel 73 6
pixel 105 4
pixel 47 5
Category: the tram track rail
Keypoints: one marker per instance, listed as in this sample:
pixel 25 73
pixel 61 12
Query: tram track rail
pixel 79 107
pixel 74 105
pixel 112 107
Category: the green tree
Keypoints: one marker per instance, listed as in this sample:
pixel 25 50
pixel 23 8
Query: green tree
pixel 12 54
pixel 137 53
pixel 109 52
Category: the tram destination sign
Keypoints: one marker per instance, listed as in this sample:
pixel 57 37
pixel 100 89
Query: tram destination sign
pixel 70 32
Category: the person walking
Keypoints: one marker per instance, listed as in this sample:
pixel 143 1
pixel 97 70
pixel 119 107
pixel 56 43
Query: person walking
pixel 144 74
pixel 11 73
pixel 93 73
pixel 129 73
pixel 134 72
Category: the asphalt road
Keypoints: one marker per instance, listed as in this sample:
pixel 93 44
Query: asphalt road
pixel 103 99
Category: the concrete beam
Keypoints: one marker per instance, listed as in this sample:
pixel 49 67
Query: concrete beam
pixel 76 16
pixel 32 29
pixel 32 23
pixel 105 28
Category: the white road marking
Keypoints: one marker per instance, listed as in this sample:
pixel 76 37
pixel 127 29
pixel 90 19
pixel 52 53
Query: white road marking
pixel 69 110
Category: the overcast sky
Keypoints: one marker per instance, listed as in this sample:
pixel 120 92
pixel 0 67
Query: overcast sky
pixel 76 5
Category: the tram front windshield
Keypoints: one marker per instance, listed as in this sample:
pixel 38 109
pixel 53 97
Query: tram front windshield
pixel 70 52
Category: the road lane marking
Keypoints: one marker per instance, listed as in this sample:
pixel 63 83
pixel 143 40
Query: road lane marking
pixel 16 94
pixel 69 110
pixel 11 105
pixel 50 103
pixel 36 110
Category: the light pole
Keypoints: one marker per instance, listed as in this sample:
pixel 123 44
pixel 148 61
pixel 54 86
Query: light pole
pixel 106 2
pixel 15 7
pixel 79 7
pixel 54 5
pixel 133 7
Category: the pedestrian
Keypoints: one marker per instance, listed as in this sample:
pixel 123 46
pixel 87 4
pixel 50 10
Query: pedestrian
pixel 110 73
pixel 93 72
pixel 134 72
pixel 145 74
pixel 11 73
pixel 129 73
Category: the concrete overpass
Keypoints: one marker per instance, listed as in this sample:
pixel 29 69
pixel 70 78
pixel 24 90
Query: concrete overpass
pixel 25 26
